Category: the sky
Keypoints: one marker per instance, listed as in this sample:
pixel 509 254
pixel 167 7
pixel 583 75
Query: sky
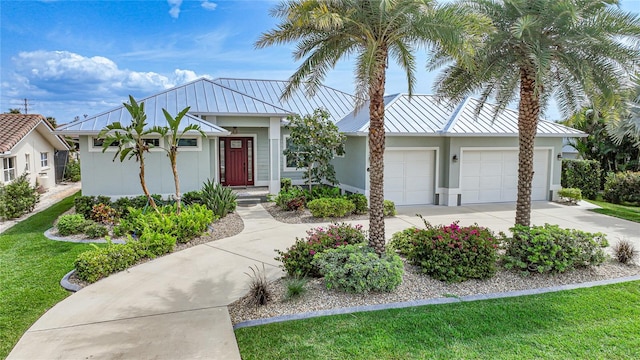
pixel 73 58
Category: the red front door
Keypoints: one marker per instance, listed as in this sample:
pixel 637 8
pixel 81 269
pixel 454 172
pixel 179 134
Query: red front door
pixel 236 161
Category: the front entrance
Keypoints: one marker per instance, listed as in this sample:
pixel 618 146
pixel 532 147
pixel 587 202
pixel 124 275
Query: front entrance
pixel 236 161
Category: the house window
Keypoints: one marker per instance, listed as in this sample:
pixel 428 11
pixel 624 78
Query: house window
pixel 27 161
pixel 9 169
pixel 99 142
pixel 152 142
pixel 290 161
pixel 44 160
pixel 188 142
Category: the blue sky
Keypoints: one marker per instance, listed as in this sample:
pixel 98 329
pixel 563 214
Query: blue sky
pixel 71 58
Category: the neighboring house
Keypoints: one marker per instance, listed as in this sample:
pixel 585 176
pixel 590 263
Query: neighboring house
pixel 28 145
pixel 436 153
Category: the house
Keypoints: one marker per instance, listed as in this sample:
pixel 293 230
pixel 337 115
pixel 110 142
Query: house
pixel 28 145
pixel 436 152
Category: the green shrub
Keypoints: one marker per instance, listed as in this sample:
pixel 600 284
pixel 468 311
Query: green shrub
pixel 285 184
pixel 402 241
pixel 296 260
pixel 358 269
pixel 623 187
pixel 72 171
pixel 95 264
pixel 389 208
pixel 572 195
pixel 296 287
pixel 156 243
pixel 103 214
pixel 452 253
pixel 94 231
pixel 321 192
pixel 84 204
pixel 549 248
pixel 360 201
pixel 291 199
pixel 17 198
pixel 582 174
pixel 219 199
pixel 192 197
pixel 71 224
pixel 330 207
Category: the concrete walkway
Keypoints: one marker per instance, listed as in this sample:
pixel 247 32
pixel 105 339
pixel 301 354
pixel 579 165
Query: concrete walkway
pixel 174 307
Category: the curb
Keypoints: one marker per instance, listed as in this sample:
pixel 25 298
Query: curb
pixel 50 236
pixel 68 285
pixel 437 301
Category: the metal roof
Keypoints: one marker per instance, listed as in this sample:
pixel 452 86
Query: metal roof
pixel 336 102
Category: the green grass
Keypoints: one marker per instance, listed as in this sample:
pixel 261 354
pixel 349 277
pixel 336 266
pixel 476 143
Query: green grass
pixel 31 267
pixel 631 213
pixel 594 323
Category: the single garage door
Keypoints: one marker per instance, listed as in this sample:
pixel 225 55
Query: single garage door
pixel 409 176
pixel 492 176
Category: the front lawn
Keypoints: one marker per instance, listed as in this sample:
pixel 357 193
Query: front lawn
pixel 31 267
pixel 631 213
pixel 596 323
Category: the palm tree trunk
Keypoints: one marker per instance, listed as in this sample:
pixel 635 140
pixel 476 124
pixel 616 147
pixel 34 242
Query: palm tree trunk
pixel 144 185
pixel 176 180
pixel 376 155
pixel 528 112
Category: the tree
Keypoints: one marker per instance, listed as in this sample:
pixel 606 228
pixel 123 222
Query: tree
pixel 315 140
pixel 130 140
pixel 173 133
pixel 567 49
pixel 627 125
pixel 14 111
pixel 52 121
pixel 374 32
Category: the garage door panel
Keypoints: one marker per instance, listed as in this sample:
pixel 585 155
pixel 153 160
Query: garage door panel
pixel 490 168
pixel 409 176
pixel 490 182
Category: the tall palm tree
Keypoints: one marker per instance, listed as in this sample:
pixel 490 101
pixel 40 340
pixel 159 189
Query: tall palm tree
pixel 173 134
pixel 567 49
pixel 130 140
pixel 628 124
pixel 372 31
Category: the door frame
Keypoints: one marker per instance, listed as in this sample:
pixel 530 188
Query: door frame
pixel 254 155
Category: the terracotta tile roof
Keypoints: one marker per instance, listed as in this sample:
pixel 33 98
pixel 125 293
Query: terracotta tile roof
pixel 13 127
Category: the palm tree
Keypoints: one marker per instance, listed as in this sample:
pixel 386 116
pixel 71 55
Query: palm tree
pixel 130 140
pixel 174 134
pixel 628 124
pixel 372 31
pixel 567 49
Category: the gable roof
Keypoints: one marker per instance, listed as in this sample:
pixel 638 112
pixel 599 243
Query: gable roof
pixel 15 127
pixel 427 115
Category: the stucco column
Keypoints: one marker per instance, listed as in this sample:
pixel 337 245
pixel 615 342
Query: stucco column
pixel 275 155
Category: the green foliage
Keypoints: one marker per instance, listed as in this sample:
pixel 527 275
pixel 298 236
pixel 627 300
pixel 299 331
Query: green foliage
pixel 104 214
pixel 402 241
pixel 549 248
pixel 358 269
pixel 98 263
pixel 156 243
pixel 330 207
pixel 389 208
pixel 315 139
pixel 84 204
pixel 94 231
pixel 192 197
pixel 623 187
pixel 296 287
pixel 285 184
pixel 571 195
pixel 221 200
pixel 582 174
pixel 452 253
pixel 296 260
pixel 17 198
pixel 292 198
pixel 71 224
pixel 360 201
pixel 72 171
pixel 322 191
pixel 625 252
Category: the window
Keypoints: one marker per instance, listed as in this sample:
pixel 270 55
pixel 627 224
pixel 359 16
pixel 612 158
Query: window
pixel 44 159
pixel 290 161
pixel 99 142
pixel 9 169
pixel 27 160
pixel 188 142
pixel 152 142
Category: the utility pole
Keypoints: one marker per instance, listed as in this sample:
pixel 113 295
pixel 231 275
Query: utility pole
pixel 26 106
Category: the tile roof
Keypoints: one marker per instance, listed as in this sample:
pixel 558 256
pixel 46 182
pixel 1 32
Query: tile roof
pixel 13 127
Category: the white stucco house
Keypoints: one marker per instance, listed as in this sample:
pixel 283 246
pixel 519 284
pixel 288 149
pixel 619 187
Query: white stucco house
pixel 28 145
pixel 436 152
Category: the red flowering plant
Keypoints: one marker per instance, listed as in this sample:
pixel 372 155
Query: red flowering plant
pixel 296 260
pixel 453 253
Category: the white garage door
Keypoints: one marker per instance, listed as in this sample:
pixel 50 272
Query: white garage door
pixel 492 176
pixel 409 176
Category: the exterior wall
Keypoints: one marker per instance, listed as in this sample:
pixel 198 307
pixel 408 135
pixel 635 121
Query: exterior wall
pixel 102 176
pixel 294 175
pixel 351 169
pixel 34 144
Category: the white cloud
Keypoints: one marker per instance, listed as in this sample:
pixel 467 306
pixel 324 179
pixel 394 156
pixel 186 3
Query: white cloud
pixel 207 5
pixel 175 8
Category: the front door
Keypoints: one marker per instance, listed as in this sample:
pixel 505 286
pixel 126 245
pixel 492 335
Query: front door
pixel 236 161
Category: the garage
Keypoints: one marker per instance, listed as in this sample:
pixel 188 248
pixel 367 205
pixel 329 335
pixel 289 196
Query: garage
pixel 488 176
pixel 409 176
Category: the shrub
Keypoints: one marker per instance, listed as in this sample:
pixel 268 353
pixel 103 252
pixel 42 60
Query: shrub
pixel 625 252
pixel 321 191
pixel 623 187
pixel 94 231
pixel 17 198
pixel 192 197
pixel 330 207
pixel 95 264
pixel 71 224
pixel 402 241
pixel 571 195
pixel 259 292
pixel 358 269
pixel 296 260
pixel 549 248
pixel 389 208
pixel 582 174
pixel 285 184
pixel 72 171
pixel 103 214
pixel 291 199
pixel 296 286
pixel 84 204
pixel 452 253
pixel 156 244
pixel 360 201
pixel 219 199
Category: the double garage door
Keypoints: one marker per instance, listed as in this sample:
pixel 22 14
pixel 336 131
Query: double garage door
pixel 409 176
pixel 492 176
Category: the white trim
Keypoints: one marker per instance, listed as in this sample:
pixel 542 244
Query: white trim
pixel 284 158
pixel 199 140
